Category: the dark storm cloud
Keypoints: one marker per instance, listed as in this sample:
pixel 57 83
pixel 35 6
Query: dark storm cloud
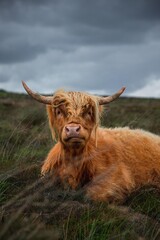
pixel 85 45
pixel 3 78
pixel 74 22
pixel 18 51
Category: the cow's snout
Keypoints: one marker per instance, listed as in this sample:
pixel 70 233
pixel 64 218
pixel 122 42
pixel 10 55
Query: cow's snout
pixel 72 131
pixel 74 134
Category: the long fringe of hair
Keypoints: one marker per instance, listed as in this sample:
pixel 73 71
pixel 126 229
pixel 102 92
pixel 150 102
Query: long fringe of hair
pixel 73 100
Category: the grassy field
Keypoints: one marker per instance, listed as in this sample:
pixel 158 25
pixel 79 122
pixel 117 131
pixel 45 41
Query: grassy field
pixel 34 208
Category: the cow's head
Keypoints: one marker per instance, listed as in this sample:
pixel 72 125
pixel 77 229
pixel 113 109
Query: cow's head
pixel 73 116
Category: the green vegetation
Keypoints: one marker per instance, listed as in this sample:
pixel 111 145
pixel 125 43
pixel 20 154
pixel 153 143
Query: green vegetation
pixel 34 208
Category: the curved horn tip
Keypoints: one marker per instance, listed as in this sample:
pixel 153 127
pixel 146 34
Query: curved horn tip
pixel 37 96
pixel 23 82
pixel 28 90
pixel 24 85
pixel 123 89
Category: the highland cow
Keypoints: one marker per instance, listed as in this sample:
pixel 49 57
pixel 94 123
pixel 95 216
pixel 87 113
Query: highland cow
pixel 108 163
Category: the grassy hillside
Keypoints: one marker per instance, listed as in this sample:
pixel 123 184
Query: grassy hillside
pixel 32 208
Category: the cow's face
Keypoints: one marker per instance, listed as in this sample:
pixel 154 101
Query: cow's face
pixel 73 116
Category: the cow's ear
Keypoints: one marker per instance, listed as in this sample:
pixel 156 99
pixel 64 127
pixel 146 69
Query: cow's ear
pixel 50 113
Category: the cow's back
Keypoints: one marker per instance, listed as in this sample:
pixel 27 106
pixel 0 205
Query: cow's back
pixel 138 150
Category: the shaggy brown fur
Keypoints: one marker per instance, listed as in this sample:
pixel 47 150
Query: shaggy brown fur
pixel 109 163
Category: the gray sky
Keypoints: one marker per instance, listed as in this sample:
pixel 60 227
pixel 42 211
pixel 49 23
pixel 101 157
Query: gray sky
pixel 90 45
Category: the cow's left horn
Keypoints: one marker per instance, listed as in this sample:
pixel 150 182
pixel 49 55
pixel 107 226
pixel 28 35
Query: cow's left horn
pixel 37 96
pixel 105 100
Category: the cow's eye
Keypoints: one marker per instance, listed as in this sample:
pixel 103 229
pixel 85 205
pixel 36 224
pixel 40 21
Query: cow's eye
pixel 58 112
pixel 89 112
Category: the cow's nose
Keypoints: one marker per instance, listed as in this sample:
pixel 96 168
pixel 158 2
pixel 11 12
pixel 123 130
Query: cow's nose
pixel 72 131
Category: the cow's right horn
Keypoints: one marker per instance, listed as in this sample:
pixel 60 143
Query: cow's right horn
pixel 37 96
pixel 106 100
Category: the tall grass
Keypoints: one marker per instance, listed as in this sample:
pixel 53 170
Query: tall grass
pixel 34 208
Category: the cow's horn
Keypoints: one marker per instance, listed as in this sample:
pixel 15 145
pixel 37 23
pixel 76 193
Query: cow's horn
pixel 105 100
pixel 37 96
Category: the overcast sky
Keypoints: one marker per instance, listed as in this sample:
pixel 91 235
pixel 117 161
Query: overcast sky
pixel 90 45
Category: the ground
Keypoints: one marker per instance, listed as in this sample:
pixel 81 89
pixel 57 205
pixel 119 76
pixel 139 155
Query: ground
pixel 35 208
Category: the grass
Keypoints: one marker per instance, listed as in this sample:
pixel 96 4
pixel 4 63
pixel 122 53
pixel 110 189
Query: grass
pixel 24 132
pixel 33 208
pixel 4 186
